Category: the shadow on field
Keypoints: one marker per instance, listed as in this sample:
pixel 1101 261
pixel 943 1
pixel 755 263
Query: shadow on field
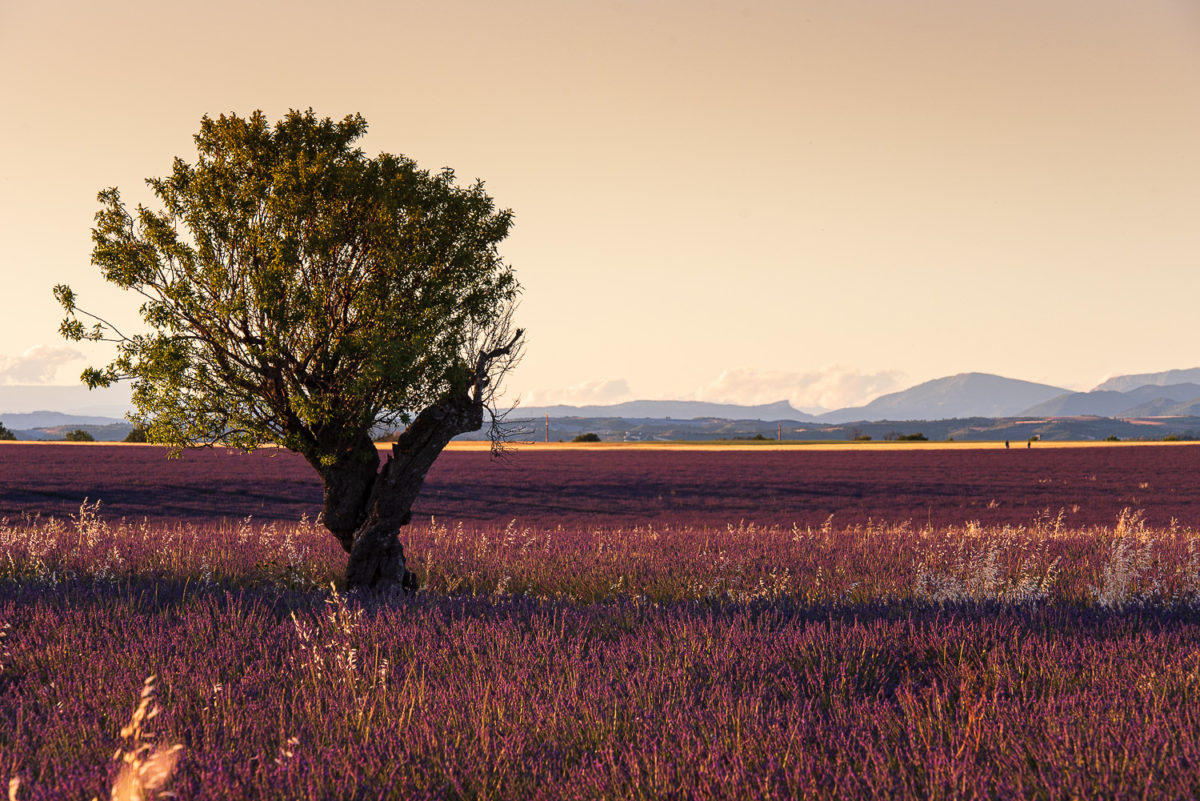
pixel 173 597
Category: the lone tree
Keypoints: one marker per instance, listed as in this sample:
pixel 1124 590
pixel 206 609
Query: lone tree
pixel 297 292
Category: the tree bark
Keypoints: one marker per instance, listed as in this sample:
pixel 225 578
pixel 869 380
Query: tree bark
pixel 348 484
pixel 376 556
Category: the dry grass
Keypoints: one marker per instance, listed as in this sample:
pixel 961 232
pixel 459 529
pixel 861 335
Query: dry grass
pixel 145 766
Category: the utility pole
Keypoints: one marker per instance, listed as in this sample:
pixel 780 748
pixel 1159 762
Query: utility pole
pixel 547 428
pixel 780 437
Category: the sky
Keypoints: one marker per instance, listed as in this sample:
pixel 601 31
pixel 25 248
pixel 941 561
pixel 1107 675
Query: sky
pixel 728 201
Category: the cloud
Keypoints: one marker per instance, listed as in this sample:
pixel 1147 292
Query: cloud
pixel 833 387
pixel 612 390
pixel 37 365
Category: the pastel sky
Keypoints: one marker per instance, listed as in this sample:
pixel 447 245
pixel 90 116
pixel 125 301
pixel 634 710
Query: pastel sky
pixel 729 201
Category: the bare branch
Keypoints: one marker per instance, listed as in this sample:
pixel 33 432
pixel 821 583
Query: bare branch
pixel 502 431
pixel 123 338
pixel 497 350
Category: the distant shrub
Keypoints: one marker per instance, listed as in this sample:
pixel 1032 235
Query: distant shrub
pixel 858 436
pixel 79 435
pixel 917 437
pixel 138 434
pixel 1115 438
pixel 589 437
pixel 5 433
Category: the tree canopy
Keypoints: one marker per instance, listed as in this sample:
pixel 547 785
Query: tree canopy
pixel 296 291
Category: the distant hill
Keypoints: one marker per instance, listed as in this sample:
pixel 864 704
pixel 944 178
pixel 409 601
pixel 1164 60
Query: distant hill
pixel 963 395
pixel 979 429
pixel 112 432
pixel 1143 401
pixel 112 402
pixel 55 425
pixel 668 410
pixel 1163 407
pixel 1124 383
pixel 25 420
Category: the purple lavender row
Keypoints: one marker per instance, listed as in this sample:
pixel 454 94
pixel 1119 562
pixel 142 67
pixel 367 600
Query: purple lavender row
pixel 629 488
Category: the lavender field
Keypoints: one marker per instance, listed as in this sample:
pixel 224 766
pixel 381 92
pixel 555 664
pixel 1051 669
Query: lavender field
pixel 633 487
pixel 590 656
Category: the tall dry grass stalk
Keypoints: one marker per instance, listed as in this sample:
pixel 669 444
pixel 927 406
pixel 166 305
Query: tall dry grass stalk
pixel 145 766
pixel 4 654
pixel 1006 566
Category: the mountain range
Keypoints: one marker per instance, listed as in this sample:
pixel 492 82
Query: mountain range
pixel 1124 383
pixel 1169 394
pixel 956 396
pixel 1152 400
pixel 671 410
pixel 76 400
pixel 1174 393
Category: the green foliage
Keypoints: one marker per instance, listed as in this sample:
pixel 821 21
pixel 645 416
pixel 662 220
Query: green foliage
pixel 917 437
pixel 5 433
pixel 589 437
pixel 137 434
pixel 79 435
pixel 296 291
pixel 1112 438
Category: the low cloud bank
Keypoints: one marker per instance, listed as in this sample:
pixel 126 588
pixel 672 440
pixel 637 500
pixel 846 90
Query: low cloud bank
pixel 37 365
pixel 834 387
pixel 607 391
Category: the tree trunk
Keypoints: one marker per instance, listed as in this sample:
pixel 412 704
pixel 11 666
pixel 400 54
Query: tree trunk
pixel 376 555
pixel 365 506
pixel 348 483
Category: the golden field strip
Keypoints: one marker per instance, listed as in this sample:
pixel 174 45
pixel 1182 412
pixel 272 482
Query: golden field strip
pixel 705 445
pixel 794 445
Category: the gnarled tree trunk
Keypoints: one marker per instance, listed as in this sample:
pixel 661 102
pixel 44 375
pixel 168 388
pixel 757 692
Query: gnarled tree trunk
pixel 365 509
pixel 366 506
